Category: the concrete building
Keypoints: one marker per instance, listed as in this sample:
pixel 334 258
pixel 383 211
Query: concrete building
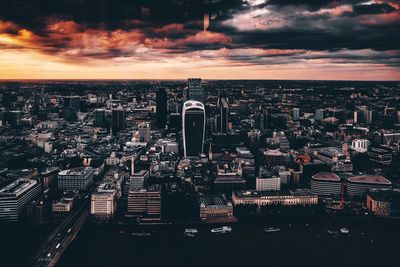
pixel 326 184
pixel 145 203
pixel 360 145
pixel 358 186
pixel 272 183
pixel 384 202
pixel 288 198
pixel 193 123
pixel 15 196
pixel 215 208
pixel 75 179
pixel 103 202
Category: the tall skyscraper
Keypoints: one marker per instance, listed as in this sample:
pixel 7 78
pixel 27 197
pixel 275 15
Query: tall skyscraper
pixel 223 114
pixel 319 114
pixel 161 116
pixel 100 117
pixel 144 132
pixel 296 114
pixel 118 119
pixel 196 91
pixel 193 124
pixel 261 119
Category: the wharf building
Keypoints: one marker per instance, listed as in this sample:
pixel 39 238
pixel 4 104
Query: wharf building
pixel 384 202
pixel 358 186
pixel 145 203
pixel 277 198
pixel 215 208
pixel 14 198
pixel 326 184
pixel 103 202
pixel 75 179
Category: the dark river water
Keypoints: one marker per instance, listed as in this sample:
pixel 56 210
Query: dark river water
pixel 373 243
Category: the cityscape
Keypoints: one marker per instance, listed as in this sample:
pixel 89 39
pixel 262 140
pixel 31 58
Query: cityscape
pixel 199 133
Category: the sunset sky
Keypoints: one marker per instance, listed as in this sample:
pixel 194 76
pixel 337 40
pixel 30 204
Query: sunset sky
pixel 176 39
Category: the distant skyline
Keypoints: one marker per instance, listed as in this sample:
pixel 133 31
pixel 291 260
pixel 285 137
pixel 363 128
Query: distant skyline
pixel 229 39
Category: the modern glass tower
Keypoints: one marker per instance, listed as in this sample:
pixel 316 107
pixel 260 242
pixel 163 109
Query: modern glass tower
pixel 223 116
pixel 196 91
pixel 193 125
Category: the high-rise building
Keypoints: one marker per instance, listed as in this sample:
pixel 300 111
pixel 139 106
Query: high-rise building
pixel 261 119
pixel 223 114
pixel 319 114
pixel 100 117
pixel 144 132
pixel 118 119
pixel 296 114
pixel 161 117
pixel 193 124
pixel 196 92
pixel 12 118
pixel 15 196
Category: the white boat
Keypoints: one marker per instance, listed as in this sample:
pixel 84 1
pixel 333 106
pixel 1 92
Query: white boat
pixel 222 230
pixel 190 232
pixel 344 230
pixel 271 230
pixel 141 234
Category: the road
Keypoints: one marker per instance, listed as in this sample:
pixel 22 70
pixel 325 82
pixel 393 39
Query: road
pixel 58 241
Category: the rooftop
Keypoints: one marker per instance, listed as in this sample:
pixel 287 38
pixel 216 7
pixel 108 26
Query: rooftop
pixel 370 179
pixel 17 187
pixel 326 176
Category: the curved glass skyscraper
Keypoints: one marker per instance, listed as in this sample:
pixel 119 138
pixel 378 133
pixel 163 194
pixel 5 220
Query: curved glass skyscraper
pixel 193 125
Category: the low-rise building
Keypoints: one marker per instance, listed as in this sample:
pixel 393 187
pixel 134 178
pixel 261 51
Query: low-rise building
pixel 215 207
pixel 270 198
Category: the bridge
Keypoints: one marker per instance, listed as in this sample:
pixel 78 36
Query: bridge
pixel 59 240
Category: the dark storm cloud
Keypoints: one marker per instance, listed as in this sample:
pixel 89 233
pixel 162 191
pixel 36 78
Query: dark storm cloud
pixel 373 9
pixel 120 28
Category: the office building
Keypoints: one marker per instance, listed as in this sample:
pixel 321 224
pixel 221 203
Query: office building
pixel 261 119
pixel 12 118
pixel 358 186
pixel 195 90
pixel 223 114
pixel 381 154
pixel 384 202
pixel 103 202
pixel 319 114
pixel 215 208
pixel 270 198
pixel 14 198
pixel 296 114
pixel 75 179
pixel 145 203
pixel 360 145
pixel 138 180
pixel 193 124
pixel 100 117
pixel 144 132
pixel 118 119
pixel 326 184
pixel 272 183
pixel 162 108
